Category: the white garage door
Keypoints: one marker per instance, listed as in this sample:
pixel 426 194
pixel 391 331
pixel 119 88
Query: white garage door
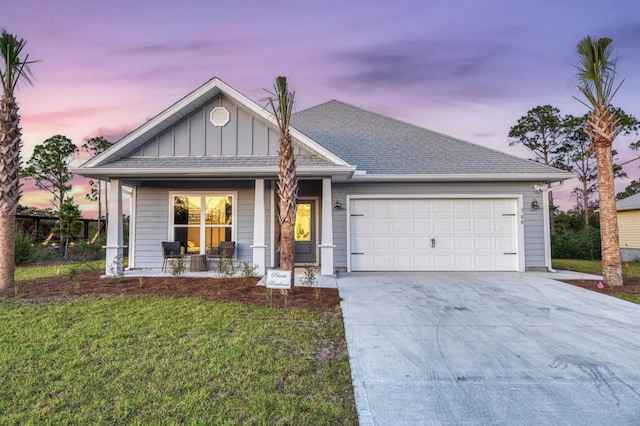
pixel 434 235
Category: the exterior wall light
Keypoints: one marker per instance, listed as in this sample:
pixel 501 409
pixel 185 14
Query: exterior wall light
pixel 534 205
pixel 337 205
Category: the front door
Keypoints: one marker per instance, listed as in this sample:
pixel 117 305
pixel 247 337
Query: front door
pixel 305 232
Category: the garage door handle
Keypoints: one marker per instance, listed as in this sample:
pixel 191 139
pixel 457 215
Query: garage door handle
pixel 510 253
pixel 357 253
pixel 433 243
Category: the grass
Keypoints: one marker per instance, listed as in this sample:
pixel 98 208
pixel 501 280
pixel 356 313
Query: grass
pixel 594 266
pixel 33 272
pixel 151 360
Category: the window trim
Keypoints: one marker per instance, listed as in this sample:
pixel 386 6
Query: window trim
pixel 203 226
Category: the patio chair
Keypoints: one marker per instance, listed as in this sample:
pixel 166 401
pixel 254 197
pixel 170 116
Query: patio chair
pixel 224 252
pixel 170 250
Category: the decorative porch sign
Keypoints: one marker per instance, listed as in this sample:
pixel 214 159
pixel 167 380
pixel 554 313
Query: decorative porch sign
pixel 277 278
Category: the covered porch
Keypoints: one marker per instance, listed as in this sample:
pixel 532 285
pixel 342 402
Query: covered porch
pixel 249 218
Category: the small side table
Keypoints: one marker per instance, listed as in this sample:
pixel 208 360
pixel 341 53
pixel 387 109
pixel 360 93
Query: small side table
pixel 198 263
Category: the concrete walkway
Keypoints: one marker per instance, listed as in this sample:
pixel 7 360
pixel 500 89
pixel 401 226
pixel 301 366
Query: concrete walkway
pixel 489 348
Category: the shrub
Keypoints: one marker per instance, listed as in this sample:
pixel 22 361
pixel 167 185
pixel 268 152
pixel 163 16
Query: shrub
pixel 571 244
pixel 41 254
pixel 23 246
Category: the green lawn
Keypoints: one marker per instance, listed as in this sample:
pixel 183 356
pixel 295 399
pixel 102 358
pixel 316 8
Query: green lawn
pixel 151 360
pixel 594 267
pixel 32 272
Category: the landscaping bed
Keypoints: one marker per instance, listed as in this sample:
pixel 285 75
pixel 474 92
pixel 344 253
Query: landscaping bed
pixel 631 286
pixel 58 288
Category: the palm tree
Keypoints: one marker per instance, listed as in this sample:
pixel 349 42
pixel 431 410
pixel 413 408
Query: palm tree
pixel 15 69
pixel 287 188
pixel 596 74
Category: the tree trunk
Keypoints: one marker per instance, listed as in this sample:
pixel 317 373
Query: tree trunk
pixel 585 203
pixel 611 267
pixel 288 193
pixel 7 252
pixel 9 186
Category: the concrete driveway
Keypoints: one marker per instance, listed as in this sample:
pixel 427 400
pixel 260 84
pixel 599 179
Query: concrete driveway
pixel 489 348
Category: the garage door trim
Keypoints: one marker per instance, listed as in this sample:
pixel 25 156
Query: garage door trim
pixel 517 197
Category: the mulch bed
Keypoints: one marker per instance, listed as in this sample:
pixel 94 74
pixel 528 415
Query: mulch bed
pixel 631 286
pixel 62 288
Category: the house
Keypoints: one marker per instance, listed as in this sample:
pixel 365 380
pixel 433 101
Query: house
pixel 375 194
pixel 629 227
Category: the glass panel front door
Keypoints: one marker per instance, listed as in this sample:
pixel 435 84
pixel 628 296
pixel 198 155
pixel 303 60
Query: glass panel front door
pixel 305 232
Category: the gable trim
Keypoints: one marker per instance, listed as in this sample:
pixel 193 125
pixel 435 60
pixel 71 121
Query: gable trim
pixel 210 87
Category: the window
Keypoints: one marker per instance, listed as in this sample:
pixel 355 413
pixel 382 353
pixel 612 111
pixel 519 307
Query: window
pixel 202 220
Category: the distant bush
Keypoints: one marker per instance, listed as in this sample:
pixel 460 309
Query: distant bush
pixel 83 251
pixel 23 246
pixel 572 244
pixel 43 254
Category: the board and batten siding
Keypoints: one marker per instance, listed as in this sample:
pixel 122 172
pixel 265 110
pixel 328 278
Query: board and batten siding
pixel 533 219
pixel 195 135
pixel 152 211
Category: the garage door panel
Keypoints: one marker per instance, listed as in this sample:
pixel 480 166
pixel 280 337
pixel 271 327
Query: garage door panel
pixel 421 244
pixel 443 262
pixel 402 225
pixel 383 226
pixel 382 243
pixel 463 207
pixel 463 225
pixel 463 262
pixel 402 208
pixel 504 207
pixel 504 224
pixel 441 207
pixel 423 262
pixel 462 243
pixel 505 244
pixel 433 234
pixel 484 243
pixel 421 226
pixel 403 243
pixel 442 225
pixel 482 207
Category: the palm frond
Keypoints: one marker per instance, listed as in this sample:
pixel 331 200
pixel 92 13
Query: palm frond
pixel 597 71
pixel 15 68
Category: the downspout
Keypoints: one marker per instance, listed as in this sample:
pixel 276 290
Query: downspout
pixel 547 222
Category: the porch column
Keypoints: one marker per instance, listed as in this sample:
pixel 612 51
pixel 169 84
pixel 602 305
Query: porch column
pixel 326 244
pixel 259 247
pixel 114 230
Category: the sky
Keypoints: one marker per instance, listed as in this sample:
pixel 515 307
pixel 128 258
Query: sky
pixel 467 68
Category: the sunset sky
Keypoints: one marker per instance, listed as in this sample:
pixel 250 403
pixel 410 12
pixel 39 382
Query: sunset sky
pixel 466 68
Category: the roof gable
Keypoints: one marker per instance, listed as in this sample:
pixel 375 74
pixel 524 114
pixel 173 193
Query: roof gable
pixel 184 130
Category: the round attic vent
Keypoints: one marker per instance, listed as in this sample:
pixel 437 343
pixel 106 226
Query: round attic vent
pixel 219 116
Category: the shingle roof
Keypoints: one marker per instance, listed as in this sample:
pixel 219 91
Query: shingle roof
pixel 210 162
pixel 382 145
pixel 629 203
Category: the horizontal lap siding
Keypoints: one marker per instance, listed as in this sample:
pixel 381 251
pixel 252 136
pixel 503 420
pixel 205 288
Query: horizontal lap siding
pixel 533 219
pixel 629 228
pixel 245 225
pixel 152 224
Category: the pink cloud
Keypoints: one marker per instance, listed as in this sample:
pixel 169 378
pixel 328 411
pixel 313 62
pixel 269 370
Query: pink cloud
pixel 56 119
